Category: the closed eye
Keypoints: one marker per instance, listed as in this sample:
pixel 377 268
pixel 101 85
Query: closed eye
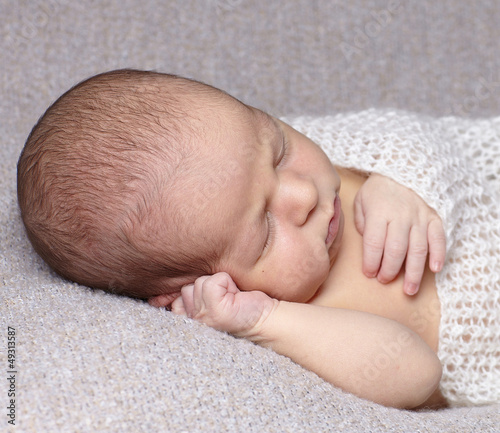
pixel 284 150
pixel 271 231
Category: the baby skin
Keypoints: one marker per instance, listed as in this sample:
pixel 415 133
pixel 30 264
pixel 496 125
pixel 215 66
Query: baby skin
pixel 332 268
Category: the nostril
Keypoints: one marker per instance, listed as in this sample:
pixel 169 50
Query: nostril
pixel 309 201
pixel 299 196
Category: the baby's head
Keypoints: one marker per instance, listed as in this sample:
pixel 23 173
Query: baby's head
pixel 139 182
pixel 101 180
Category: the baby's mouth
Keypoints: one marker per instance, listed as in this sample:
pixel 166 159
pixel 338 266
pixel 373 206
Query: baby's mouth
pixel 333 227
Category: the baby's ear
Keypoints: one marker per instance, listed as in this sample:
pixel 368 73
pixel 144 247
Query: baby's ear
pixel 164 300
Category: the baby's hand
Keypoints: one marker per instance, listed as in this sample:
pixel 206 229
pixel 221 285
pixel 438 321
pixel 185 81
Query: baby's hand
pixel 397 224
pixel 216 301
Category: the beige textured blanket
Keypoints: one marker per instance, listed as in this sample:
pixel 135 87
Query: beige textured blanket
pixel 84 361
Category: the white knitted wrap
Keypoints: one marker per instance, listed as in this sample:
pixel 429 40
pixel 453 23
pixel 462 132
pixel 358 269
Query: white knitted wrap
pixel 454 165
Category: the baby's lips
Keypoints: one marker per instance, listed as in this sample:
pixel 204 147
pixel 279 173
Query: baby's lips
pixel 333 226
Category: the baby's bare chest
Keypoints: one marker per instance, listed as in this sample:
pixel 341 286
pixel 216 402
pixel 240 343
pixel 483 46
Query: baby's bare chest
pixel 347 287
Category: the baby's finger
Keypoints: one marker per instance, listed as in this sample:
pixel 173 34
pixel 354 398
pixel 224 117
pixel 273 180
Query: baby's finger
pixel 214 290
pixel 415 260
pixel 198 301
pixel 359 216
pixel 177 307
pixel 437 245
pixel 187 294
pixel 373 246
pixel 396 248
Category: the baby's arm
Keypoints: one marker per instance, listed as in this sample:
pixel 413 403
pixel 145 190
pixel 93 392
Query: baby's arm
pixel 370 356
pixel 396 224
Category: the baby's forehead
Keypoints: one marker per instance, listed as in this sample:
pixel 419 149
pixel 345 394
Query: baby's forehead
pixel 218 149
pixel 215 186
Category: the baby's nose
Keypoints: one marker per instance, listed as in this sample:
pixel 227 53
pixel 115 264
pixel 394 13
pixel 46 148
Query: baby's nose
pixel 298 197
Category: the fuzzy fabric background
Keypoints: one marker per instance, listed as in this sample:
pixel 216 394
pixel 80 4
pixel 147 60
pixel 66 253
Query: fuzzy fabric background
pixel 86 361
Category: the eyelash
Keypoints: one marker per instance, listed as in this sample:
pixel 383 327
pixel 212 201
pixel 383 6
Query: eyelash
pixel 284 152
pixel 270 231
pixel 270 224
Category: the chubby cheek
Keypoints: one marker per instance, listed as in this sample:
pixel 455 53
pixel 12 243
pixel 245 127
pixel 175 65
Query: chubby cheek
pixel 300 274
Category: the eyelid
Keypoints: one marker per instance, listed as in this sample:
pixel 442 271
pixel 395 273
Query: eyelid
pixel 271 230
pixel 282 156
pixel 284 149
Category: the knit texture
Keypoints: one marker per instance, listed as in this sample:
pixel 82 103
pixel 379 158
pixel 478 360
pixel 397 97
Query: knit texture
pixel 454 165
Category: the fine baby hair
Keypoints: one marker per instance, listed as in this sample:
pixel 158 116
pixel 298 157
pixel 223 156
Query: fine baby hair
pixel 96 176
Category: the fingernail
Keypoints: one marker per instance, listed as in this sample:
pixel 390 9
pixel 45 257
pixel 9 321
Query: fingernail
pixel 411 289
pixel 437 266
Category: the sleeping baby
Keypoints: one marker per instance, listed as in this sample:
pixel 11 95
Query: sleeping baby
pixel 162 188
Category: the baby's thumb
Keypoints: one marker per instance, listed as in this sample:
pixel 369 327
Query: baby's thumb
pixel 177 307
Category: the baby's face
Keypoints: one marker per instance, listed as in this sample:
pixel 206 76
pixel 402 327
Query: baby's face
pixel 269 196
